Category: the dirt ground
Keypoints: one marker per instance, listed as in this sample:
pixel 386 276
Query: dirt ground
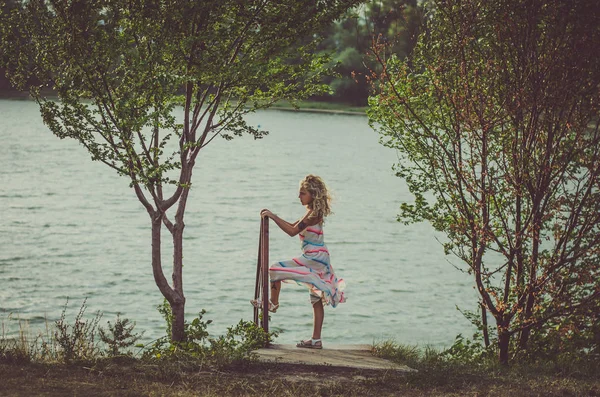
pixel 124 380
pixel 258 379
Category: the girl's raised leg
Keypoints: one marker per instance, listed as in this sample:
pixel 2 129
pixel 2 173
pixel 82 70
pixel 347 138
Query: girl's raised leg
pixel 275 288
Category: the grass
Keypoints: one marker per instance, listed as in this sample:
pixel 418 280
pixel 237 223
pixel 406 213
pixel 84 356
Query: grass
pixel 36 365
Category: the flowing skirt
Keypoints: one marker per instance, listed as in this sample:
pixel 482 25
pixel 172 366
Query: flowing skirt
pixel 314 271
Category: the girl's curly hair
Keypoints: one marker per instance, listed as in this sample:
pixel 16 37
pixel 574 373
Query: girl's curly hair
pixel 321 203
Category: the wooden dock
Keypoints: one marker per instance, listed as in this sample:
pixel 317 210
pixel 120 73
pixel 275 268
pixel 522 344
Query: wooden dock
pixel 345 356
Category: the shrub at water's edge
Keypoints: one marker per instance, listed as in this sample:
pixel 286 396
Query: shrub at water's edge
pixel 85 341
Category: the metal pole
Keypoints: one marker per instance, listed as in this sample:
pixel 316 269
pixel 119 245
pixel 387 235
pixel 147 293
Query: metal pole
pixel 265 271
pixel 257 284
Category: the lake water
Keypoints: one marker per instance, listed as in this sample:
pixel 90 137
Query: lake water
pixel 72 228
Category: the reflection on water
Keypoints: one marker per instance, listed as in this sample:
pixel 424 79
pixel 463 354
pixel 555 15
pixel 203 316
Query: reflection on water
pixel 73 228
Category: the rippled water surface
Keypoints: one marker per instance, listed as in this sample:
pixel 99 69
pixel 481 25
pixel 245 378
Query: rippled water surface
pixel 71 227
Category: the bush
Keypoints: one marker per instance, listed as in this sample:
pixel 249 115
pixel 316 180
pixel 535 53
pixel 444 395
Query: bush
pixel 236 345
pixel 77 342
pixel 467 352
pixel 119 336
pixel 462 353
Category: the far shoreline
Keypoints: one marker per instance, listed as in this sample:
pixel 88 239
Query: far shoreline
pixel 315 110
pixel 335 108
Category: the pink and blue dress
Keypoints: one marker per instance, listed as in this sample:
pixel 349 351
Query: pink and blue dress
pixel 312 269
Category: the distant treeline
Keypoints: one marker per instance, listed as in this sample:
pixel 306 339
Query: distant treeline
pixel 4 83
pixel 395 22
pixel 349 41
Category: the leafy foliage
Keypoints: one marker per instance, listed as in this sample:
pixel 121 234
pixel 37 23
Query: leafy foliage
pixel 132 60
pixel 570 339
pixel 347 41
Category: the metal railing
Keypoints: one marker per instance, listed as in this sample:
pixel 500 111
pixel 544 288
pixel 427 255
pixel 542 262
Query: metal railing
pixel 261 289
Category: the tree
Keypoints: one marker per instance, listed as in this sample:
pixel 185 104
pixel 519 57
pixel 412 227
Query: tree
pixel 495 118
pixel 123 69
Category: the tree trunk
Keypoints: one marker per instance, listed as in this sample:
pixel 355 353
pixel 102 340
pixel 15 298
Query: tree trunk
pixel 524 337
pixel 178 308
pixel 177 327
pixel 531 291
pixel 484 324
pixel 503 343
pixel 175 298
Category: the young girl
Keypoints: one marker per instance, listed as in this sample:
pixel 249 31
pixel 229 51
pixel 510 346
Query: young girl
pixel 312 268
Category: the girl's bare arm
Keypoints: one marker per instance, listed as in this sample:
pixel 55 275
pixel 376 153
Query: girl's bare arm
pixel 291 229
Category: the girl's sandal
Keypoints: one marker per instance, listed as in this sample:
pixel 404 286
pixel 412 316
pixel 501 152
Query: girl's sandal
pixel 310 344
pixel 258 304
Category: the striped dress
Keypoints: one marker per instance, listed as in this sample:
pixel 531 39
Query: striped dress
pixel 312 269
